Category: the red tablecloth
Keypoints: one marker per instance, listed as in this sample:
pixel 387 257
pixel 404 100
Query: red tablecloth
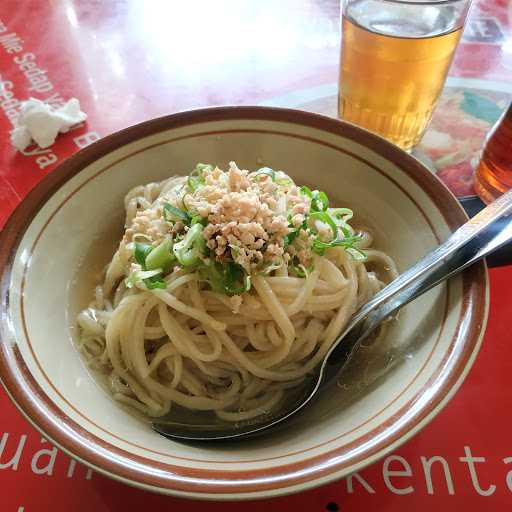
pixel 130 61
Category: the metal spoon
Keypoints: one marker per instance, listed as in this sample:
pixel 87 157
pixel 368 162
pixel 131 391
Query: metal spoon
pixel 474 240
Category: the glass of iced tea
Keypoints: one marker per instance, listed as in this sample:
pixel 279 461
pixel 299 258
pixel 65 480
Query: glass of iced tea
pixel 395 57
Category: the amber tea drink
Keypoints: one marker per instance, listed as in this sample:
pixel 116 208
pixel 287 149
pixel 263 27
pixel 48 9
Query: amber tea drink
pixel 493 175
pixel 395 56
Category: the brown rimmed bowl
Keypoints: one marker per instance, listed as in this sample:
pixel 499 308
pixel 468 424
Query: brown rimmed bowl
pixel 63 232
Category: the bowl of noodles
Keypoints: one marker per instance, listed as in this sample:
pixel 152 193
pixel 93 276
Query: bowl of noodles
pixel 203 263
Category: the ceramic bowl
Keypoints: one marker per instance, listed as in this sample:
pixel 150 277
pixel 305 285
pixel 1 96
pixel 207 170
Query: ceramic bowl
pixel 58 239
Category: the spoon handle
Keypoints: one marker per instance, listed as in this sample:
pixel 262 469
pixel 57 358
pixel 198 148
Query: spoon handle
pixel 475 250
pixel 449 258
pixel 481 221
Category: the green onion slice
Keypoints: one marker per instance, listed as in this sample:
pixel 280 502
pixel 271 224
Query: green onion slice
pixel 347 243
pixel 212 273
pixel 319 201
pixel 196 178
pixel 198 219
pixel 264 171
pixel 141 275
pixel 270 267
pixel 326 219
pixel 189 250
pixel 341 214
pixel 171 213
pixel 161 257
pixel 356 253
pixel 300 270
pixel 306 191
pixel 229 279
pixel 281 179
pixel 236 281
pixel 141 252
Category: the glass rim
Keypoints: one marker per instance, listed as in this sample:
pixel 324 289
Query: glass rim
pixel 425 2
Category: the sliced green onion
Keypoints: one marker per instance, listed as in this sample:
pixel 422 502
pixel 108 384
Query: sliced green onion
pixel 198 219
pixel 141 252
pixel 342 214
pixel 292 235
pixel 212 273
pixel 306 191
pixel 356 253
pixel 289 238
pixel 264 171
pixel 270 267
pixel 196 178
pixel 155 282
pixel 236 280
pixel 161 257
pixel 300 270
pixel 171 213
pixel 193 183
pixel 325 218
pixel 141 275
pixel 189 250
pixel 281 179
pixel 347 230
pixel 347 243
pixel 200 168
pixel 229 279
pixel 319 201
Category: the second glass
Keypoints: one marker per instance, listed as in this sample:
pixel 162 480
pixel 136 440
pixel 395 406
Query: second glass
pixel 395 56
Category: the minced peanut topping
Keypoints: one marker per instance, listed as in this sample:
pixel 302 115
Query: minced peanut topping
pixel 247 214
pixel 228 225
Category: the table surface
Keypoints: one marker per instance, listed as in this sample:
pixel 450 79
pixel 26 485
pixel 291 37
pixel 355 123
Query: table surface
pixel 128 61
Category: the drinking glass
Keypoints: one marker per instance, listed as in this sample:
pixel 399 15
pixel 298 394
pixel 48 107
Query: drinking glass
pixel 493 175
pixel 395 55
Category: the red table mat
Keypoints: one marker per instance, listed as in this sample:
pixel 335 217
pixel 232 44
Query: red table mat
pixel 130 61
pixel 467 446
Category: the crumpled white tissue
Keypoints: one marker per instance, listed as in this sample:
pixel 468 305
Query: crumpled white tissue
pixel 40 123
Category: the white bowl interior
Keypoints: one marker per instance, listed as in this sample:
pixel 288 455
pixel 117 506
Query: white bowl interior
pixel 75 233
